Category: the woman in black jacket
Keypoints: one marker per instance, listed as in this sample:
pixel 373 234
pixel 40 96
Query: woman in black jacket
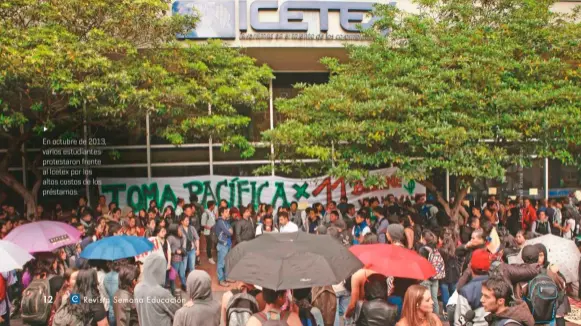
pixel 375 311
pixel 448 240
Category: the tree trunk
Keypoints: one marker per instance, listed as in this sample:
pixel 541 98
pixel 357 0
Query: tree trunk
pixel 28 196
pixel 9 180
pixel 454 209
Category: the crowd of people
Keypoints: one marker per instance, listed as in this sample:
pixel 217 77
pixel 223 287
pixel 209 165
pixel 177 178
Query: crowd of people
pixel 472 284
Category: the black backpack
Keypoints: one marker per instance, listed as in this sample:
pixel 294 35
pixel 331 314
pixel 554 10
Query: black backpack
pixel 542 298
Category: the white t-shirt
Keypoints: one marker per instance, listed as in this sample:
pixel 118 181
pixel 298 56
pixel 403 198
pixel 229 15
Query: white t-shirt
pixel 259 230
pixel 289 228
pixel 363 232
pixel 571 223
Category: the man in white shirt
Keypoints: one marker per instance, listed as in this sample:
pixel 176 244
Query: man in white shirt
pixel 208 221
pixel 286 226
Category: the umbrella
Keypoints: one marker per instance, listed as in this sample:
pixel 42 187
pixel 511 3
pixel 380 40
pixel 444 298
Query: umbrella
pixel 43 236
pixel 562 252
pixel 117 247
pixel 291 261
pixel 12 256
pixel 395 261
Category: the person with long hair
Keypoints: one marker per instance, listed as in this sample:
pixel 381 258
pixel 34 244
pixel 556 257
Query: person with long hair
pixel 70 277
pixel 150 228
pixel 133 229
pixel 123 303
pixel 90 309
pixel 169 214
pixel 448 240
pixel 142 217
pixel 418 308
pixel 177 243
pixel 430 242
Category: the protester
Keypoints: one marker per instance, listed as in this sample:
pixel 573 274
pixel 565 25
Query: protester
pixel 360 229
pixel 309 314
pixel 201 309
pixel 447 285
pixel 244 228
pixel 285 225
pixel 224 232
pixel 273 310
pixel 469 295
pixel 124 307
pixel 497 300
pixel 375 310
pixel 418 308
pixel 88 308
pixel 177 243
pixel 192 240
pixel 267 226
pixel 161 311
pixel 208 221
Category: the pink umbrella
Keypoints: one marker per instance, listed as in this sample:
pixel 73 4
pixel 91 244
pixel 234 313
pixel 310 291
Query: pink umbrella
pixel 43 236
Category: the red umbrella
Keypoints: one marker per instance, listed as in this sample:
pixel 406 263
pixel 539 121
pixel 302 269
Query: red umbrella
pixel 396 261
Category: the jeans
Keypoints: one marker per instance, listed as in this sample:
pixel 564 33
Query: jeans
pixel 343 298
pixel 190 261
pixel 112 320
pixel 180 268
pixel 221 263
pixel 432 285
pixel 446 289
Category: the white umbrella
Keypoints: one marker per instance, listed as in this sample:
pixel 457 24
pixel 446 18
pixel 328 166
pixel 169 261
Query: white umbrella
pixel 562 252
pixel 12 256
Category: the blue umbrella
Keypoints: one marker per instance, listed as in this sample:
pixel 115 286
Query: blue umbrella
pixel 117 247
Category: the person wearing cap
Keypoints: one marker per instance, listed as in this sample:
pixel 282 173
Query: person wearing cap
pixel 469 295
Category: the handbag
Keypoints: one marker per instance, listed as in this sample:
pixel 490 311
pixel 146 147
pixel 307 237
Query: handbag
pixel 173 274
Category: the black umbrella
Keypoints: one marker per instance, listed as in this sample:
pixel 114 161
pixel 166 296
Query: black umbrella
pixel 291 261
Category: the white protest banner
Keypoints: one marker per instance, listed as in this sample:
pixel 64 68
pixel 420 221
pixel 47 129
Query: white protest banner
pixel 241 191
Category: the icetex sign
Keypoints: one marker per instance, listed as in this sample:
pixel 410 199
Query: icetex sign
pixel 218 17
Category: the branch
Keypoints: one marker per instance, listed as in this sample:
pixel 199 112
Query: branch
pixel 431 187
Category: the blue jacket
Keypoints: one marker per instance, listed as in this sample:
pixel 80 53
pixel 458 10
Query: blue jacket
pixel 222 228
pixel 469 299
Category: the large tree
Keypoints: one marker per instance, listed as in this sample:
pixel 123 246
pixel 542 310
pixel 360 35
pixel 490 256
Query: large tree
pixel 467 86
pixel 110 62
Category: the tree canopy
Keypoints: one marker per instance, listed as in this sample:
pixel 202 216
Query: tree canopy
pixel 111 62
pixel 467 86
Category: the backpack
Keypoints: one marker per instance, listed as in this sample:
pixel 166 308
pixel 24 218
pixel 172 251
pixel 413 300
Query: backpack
pixel 435 258
pixel 265 320
pixel 37 301
pixel 542 298
pixel 240 307
pixel 64 317
pixel 308 319
pixel 324 298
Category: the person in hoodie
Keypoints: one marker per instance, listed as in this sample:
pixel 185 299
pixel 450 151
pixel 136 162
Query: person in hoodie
pixel 156 306
pixel 201 309
pixel 497 300
pixel 469 295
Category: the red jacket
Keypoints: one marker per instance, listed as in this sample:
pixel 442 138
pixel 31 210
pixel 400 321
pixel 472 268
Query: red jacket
pixel 529 215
